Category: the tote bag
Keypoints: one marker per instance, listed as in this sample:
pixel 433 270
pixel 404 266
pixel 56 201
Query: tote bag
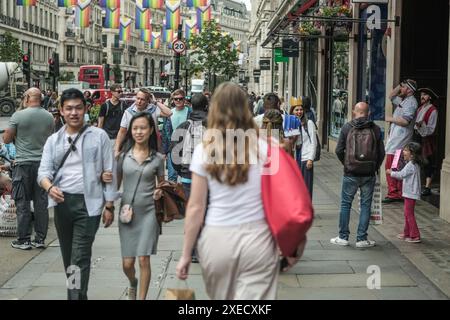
pixel 287 204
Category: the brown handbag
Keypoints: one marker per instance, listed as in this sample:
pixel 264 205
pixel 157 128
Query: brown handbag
pixel 172 204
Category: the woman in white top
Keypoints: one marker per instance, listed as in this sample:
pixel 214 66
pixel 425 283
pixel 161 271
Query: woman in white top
pixel 237 253
pixel 308 143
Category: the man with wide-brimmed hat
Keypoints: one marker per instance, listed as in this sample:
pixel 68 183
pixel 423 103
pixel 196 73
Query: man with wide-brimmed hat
pixel 400 132
pixel 424 129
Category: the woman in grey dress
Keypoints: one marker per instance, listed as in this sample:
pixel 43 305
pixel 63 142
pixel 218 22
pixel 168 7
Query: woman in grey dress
pixel 139 165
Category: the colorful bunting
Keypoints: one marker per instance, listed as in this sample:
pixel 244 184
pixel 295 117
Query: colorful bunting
pixel 110 4
pixel 146 35
pixel 112 19
pixel 196 3
pixel 26 3
pixel 67 3
pixel 156 40
pixel 153 4
pixel 190 27
pixel 173 16
pixel 203 15
pixel 142 16
pixel 125 29
pixel 83 13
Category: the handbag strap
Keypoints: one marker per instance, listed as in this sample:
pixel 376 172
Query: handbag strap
pixel 70 149
pixel 139 180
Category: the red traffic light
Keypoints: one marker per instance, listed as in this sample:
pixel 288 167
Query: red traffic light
pixel 25 58
pixel 51 61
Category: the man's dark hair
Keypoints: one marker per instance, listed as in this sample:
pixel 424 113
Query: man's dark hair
pixel 271 101
pixel 199 101
pixel 114 87
pixel 71 94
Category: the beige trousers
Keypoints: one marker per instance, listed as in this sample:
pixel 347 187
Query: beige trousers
pixel 239 262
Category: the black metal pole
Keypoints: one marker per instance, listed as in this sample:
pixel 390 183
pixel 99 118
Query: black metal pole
pixel 54 83
pixel 187 74
pixel 177 60
pixel 273 67
pixel 28 74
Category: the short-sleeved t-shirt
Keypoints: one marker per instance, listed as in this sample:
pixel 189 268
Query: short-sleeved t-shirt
pixel 33 126
pixel 131 111
pixel 112 117
pixel 178 117
pixel 231 205
pixel 399 136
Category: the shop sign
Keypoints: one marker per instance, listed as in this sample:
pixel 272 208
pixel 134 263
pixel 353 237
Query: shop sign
pixel 279 56
pixel 290 48
pixel 256 73
pixel 264 64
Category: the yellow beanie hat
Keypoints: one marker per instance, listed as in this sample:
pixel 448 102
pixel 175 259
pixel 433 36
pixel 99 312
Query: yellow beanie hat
pixel 296 101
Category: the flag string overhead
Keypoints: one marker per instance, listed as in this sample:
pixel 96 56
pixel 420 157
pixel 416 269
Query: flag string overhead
pixel 125 29
pixel 112 19
pixel 26 3
pixel 190 28
pixel 173 14
pixel 142 16
pixel 67 3
pixel 146 35
pixel 196 3
pixel 156 40
pixel 83 13
pixel 110 4
pixel 153 4
pixel 203 15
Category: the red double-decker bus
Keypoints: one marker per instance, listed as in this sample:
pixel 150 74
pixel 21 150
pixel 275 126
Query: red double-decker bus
pixel 94 75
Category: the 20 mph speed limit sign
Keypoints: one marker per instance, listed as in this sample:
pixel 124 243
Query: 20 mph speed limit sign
pixel 178 46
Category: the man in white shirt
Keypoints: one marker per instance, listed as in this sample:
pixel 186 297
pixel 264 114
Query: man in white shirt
pixel 425 128
pixel 144 102
pixel 70 171
pixel 401 131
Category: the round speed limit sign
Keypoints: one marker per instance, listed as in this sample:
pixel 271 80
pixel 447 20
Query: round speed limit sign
pixel 178 46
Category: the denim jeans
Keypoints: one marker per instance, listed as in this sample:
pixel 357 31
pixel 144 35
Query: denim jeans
pixel 172 175
pixel 350 186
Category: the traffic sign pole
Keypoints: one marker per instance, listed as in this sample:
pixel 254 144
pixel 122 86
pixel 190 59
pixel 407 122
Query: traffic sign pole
pixel 177 60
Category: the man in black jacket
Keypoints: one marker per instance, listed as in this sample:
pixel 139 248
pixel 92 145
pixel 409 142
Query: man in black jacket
pixel 356 178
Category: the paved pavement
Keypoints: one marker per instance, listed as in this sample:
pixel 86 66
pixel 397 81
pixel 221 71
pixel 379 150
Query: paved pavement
pixel 408 271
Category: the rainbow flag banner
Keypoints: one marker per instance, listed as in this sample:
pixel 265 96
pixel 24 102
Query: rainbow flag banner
pixel 142 16
pixel 173 14
pixel 83 13
pixel 125 29
pixel 167 36
pixel 146 35
pixel 203 15
pixel 110 4
pixel 190 28
pixel 196 3
pixel 67 3
pixel 26 3
pixel 153 4
pixel 155 43
pixel 112 19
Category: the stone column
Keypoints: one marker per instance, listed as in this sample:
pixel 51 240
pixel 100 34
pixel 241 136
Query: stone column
pixel 444 211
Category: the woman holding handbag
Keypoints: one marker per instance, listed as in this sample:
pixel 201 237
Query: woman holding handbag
pixel 237 253
pixel 139 165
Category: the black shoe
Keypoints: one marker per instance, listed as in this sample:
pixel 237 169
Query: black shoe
pixel 39 244
pixel 194 259
pixel 390 200
pixel 22 245
pixel 426 192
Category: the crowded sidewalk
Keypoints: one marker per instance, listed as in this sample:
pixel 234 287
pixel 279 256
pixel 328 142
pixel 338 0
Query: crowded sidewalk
pixel 326 271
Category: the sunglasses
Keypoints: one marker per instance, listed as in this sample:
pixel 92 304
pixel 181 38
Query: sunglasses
pixel 119 91
pixel 178 99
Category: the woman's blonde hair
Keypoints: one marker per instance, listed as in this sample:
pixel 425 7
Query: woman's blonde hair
pixel 228 111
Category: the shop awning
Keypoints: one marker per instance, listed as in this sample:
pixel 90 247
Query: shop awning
pixel 293 14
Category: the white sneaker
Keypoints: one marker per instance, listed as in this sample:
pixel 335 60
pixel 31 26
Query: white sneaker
pixel 132 292
pixel 339 241
pixel 365 244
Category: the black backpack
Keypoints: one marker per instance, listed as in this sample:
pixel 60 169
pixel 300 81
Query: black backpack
pixel 361 151
pixel 108 103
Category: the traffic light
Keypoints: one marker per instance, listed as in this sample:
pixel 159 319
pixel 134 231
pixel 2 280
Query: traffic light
pixel 106 68
pixel 51 67
pixel 26 64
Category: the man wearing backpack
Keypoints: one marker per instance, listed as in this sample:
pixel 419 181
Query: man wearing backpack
pixel 111 113
pixel 360 149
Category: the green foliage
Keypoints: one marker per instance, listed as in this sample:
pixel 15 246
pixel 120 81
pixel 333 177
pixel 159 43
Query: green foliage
pixel 94 112
pixel 10 50
pixel 211 52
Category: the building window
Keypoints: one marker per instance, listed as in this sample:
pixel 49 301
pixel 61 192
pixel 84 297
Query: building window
pixel 104 40
pixel 70 53
pixel 117 58
pixel 310 69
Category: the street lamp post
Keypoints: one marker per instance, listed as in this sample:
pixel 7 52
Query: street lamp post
pixel 186 63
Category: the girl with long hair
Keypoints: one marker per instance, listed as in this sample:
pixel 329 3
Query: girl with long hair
pixel 139 165
pixel 237 253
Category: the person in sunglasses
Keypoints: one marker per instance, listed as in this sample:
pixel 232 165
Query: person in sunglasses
pixel 111 113
pixel 73 161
